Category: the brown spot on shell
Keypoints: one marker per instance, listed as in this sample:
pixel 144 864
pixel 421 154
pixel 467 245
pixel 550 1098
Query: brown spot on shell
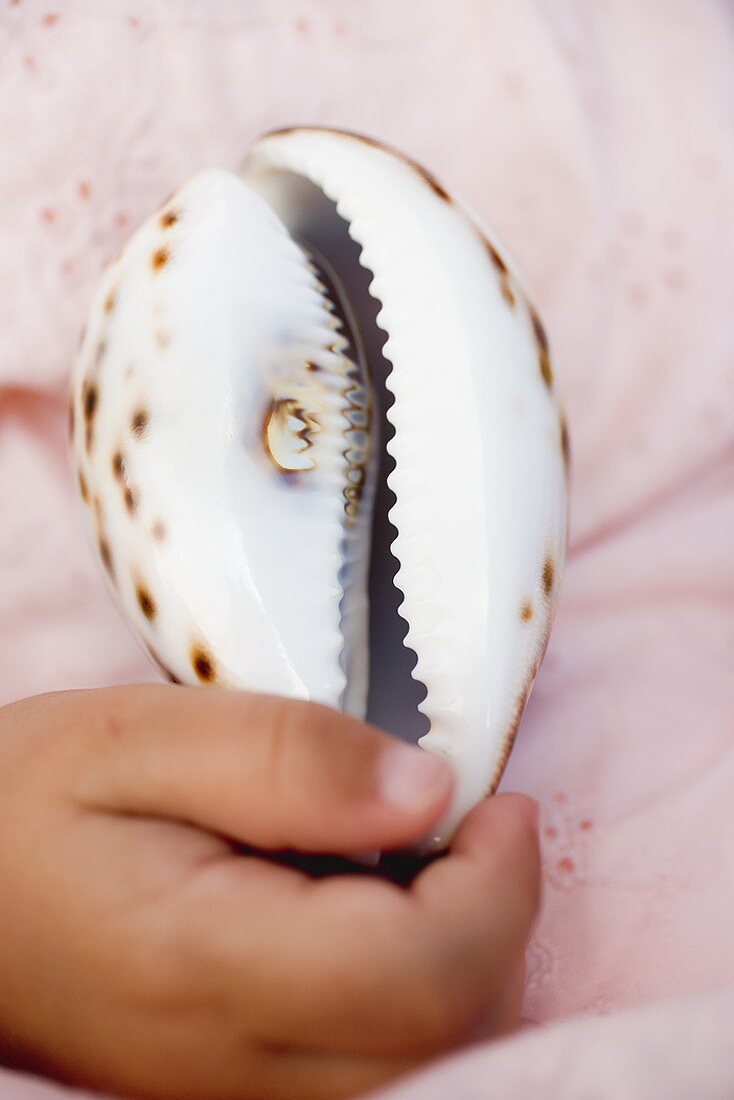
pixel 158 530
pixel 106 555
pixel 162 338
pixel 100 352
pixel 83 488
pixel 104 548
pixel 549 575
pixel 203 664
pixel 159 259
pixel 313 366
pixel 502 271
pixel 139 423
pixel 118 465
pixel 541 342
pixel 526 611
pixel 131 499
pixel 565 442
pixel 72 418
pixel 90 400
pixel 146 603
pixel 168 218
pixel 109 302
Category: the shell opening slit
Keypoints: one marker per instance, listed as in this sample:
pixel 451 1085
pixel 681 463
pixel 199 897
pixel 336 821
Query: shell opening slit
pixel 393 692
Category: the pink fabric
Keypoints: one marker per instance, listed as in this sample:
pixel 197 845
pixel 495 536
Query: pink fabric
pixel 599 140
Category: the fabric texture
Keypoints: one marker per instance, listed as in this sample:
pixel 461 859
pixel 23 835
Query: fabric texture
pixel 598 140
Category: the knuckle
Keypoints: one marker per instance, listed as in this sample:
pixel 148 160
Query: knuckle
pixel 282 745
pixel 308 747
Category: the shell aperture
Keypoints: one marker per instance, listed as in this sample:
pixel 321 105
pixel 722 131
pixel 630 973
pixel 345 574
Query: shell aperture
pixel 232 444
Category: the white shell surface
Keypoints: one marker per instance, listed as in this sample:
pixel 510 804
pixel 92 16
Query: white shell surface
pixel 209 401
pixel 480 443
pixel 243 587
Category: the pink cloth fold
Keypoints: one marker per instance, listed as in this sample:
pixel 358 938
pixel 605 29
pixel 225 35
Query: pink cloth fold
pixel 599 140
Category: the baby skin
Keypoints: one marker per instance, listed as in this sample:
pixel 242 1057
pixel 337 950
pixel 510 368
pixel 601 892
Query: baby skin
pixel 148 950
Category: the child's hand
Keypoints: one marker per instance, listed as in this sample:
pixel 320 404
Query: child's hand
pixel 141 954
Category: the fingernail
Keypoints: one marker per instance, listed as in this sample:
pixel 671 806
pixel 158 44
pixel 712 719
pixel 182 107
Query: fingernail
pixel 413 779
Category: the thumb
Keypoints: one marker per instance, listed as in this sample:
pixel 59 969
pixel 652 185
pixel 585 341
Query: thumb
pixel 270 772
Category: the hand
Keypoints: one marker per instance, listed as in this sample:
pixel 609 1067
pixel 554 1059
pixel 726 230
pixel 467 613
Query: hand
pixel 142 953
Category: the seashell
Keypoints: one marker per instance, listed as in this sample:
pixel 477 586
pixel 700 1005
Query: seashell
pixel 316 429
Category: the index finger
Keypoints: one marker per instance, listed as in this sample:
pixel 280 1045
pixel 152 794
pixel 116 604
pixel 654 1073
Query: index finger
pixel 271 772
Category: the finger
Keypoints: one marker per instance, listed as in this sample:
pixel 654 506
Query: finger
pixel 495 849
pixel 469 919
pixel 266 771
pixel 361 966
pixel 493 874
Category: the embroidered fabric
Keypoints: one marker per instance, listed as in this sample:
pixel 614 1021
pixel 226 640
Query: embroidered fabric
pixel 598 140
